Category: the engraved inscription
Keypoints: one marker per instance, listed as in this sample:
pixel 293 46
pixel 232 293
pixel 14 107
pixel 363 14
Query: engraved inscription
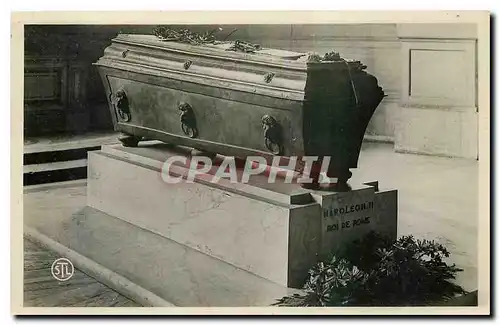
pixel 347 216
pixel 348 224
pixel 333 212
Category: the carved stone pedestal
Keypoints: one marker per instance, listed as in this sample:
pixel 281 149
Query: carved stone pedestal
pixel 271 230
pixel 203 244
pixel 274 230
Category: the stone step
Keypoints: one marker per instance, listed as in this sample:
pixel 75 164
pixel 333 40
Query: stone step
pixel 54 175
pixel 156 265
pixel 60 158
pixel 34 145
pixel 58 165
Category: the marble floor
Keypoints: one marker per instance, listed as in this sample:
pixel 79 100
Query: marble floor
pixel 438 199
pixel 81 290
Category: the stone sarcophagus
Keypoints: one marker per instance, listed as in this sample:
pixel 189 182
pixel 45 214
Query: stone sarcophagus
pixel 228 99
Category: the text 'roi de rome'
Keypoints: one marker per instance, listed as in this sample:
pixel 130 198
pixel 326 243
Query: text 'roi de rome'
pixel 333 212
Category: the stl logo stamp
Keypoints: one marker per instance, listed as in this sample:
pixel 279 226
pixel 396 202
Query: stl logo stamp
pixel 62 269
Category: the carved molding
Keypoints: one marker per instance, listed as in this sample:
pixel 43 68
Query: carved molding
pixel 214 82
pixel 438 31
pixel 438 74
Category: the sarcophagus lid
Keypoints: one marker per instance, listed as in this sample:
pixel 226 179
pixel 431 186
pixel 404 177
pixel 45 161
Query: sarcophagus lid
pixel 239 99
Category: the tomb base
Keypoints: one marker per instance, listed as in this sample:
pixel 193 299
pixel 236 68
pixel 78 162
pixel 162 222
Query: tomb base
pixel 210 244
pixel 274 230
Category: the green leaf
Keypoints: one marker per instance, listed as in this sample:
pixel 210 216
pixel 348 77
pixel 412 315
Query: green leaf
pixel 374 271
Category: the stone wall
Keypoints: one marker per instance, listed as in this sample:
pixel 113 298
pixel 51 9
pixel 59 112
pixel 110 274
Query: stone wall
pixel 428 72
pixel 63 92
pixel 438 110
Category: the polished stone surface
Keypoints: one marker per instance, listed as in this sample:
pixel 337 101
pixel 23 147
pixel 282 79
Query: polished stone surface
pixel 347 216
pixel 157 153
pixel 268 238
pixel 438 200
pixel 386 212
pixel 174 272
pixel 233 226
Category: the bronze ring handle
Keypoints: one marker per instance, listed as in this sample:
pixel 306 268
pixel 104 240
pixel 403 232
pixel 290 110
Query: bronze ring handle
pixel 188 120
pixel 272 135
pixel 121 103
